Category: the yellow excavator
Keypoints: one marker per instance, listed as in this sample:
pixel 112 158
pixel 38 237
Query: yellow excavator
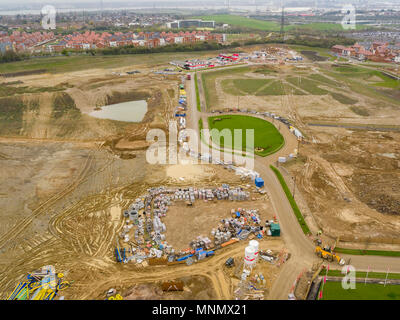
pixel 327 253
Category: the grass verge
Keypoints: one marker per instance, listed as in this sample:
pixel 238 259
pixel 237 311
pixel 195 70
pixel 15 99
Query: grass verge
pixel 197 93
pixel 292 202
pixel 368 252
pixel 362 274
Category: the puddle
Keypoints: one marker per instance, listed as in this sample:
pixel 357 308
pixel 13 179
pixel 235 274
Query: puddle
pixel 132 111
pixel 388 155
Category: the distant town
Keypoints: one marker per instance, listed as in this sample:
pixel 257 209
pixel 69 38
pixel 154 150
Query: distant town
pixel 49 42
pixel 377 51
pixel 78 31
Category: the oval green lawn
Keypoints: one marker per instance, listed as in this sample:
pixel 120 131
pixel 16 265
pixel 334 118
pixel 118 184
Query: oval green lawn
pixel 266 136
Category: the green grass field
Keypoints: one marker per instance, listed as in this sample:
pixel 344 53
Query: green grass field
pixel 292 202
pixel 369 252
pixel 370 291
pixel 241 87
pixel 266 136
pixel 362 274
pixel 263 25
pixel 208 82
pixel 312 87
pixel 258 87
pixel 82 62
pixel 274 89
pixel 244 22
pixel 322 79
pixel 343 98
pixel 366 74
pixel 368 82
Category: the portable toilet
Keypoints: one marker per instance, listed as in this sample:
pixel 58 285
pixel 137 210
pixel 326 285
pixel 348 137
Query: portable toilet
pixel 259 182
pixel 275 229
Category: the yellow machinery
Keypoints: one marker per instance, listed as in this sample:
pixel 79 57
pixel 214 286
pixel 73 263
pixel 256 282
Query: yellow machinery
pixel 328 254
pixel 40 285
pixel 116 297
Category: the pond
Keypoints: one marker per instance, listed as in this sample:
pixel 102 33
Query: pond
pixel 132 111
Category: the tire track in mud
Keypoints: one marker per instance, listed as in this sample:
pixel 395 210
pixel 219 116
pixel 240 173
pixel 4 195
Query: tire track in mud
pixel 55 221
pixel 211 269
pixel 59 245
pixel 21 226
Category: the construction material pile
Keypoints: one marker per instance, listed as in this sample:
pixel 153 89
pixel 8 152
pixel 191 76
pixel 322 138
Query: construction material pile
pixel 42 284
pixel 145 226
pixel 241 224
pixel 222 193
pixel 143 234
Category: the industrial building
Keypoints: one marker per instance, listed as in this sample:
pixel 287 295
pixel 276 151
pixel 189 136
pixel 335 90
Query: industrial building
pixel 196 23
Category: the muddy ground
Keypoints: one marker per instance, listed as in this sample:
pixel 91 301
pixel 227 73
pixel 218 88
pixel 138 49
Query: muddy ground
pixel 350 183
pixel 194 288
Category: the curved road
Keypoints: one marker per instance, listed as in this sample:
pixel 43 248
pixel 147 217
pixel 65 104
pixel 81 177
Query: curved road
pixel 298 244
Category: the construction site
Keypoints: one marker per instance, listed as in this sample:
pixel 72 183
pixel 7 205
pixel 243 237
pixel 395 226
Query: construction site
pixel 85 216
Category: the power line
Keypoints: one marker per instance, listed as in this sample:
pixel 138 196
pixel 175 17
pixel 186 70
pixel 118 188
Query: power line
pixel 282 22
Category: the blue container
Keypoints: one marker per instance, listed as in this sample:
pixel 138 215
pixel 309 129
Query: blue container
pixel 210 253
pixel 259 182
pixel 184 258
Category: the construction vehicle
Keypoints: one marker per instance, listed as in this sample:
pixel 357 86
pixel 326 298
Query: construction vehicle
pixel 328 254
pixel 230 262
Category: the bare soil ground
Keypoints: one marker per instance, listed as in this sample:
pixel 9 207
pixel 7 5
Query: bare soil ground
pixel 350 180
pixel 185 223
pixel 195 288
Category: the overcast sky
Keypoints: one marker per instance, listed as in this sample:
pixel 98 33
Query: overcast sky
pixel 65 3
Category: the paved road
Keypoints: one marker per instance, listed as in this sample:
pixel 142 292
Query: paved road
pixel 299 245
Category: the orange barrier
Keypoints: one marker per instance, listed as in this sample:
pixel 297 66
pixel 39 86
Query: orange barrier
pixel 229 242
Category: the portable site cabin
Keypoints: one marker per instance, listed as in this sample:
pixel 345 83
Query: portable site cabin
pixel 259 182
pixel 275 229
